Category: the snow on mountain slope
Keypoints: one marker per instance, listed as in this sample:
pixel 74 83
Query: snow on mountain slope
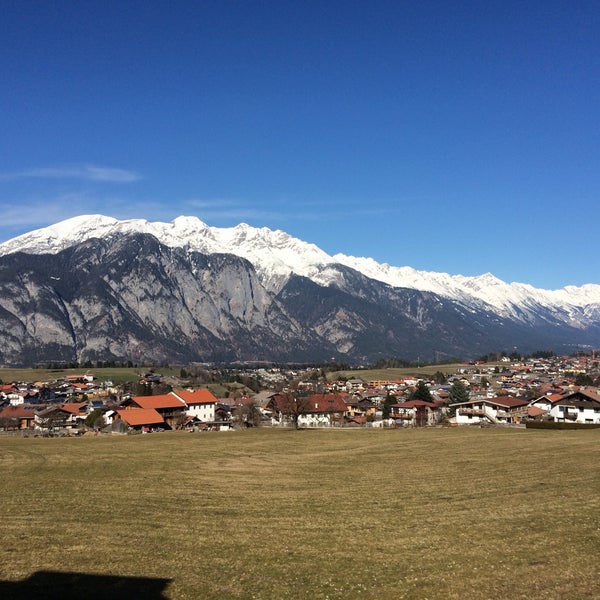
pixel 275 255
pixel 487 288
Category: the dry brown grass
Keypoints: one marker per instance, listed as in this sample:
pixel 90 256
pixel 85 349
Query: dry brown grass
pixel 444 513
pixel 114 374
pixel 390 374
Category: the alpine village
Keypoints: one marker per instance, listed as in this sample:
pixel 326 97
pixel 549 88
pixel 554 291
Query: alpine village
pixel 544 391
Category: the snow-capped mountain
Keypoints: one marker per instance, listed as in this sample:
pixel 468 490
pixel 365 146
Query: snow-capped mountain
pixel 275 255
pixel 94 286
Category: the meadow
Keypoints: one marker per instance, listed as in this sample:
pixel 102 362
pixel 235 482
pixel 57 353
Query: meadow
pixel 115 374
pixel 420 513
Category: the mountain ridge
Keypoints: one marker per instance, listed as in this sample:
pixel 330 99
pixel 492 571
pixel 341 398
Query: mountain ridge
pixel 96 288
pixel 276 254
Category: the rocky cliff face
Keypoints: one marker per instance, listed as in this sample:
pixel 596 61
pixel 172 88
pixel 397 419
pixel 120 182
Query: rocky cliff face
pixel 131 297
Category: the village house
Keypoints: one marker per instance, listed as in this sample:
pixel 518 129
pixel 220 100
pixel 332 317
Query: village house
pixel 415 413
pixel 140 419
pixel 545 402
pixel 502 409
pixel 353 385
pixel 317 410
pixel 581 406
pixel 86 377
pixel 359 407
pixel 21 416
pixel 169 406
pixel 201 404
pixel 323 410
pixel 78 410
pixel 54 418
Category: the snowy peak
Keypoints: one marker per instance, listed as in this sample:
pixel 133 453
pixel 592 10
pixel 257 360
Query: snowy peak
pixel 229 294
pixel 276 255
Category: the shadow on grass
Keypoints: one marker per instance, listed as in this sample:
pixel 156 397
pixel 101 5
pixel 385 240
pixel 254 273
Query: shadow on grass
pixel 54 585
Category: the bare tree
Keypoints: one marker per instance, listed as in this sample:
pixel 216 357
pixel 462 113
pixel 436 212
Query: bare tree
pixel 51 420
pixel 293 407
pixel 248 413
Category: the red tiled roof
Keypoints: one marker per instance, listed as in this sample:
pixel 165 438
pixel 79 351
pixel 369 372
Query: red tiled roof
pixel 534 411
pixel 326 403
pixel 202 396
pixel 317 403
pixel 73 407
pixel 414 404
pixel 508 401
pixel 21 411
pixel 140 416
pixel 159 401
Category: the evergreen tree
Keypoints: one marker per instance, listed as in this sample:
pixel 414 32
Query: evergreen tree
pixel 387 403
pixel 583 379
pixel 439 377
pixel 422 392
pixel 458 393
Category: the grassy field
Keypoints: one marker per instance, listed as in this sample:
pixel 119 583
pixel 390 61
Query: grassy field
pixel 400 372
pixel 440 513
pixel 114 374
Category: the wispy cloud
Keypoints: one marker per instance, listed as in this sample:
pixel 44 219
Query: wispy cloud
pixel 230 211
pixel 218 211
pixel 82 172
pixel 33 213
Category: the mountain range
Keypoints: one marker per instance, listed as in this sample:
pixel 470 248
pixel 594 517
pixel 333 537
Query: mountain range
pixel 97 288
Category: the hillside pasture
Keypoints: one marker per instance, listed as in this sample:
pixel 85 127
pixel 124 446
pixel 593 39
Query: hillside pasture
pixel 115 374
pixel 393 373
pixel 430 513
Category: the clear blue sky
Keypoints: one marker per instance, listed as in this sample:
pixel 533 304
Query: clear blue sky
pixel 461 137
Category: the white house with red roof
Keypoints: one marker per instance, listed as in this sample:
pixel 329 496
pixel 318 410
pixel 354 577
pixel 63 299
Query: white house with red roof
pixel 317 410
pixel 415 413
pixel 502 409
pixel 143 419
pixel 200 403
pixel 169 406
pixel 581 406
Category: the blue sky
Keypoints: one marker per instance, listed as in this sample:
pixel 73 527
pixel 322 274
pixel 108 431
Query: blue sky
pixel 461 137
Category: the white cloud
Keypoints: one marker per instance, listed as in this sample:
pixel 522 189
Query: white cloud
pixel 83 172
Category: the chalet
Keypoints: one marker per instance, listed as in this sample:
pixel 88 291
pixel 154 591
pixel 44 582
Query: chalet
pixel 78 410
pixel 356 407
pixel 200 403
pixel 355 384
pixel 415 413
pixel 140 419
pixel 582 406
pixel 19 417
pixel 53 418
pixel 544 403
pixel 223 417
pixel 169 406
pixel 317 410
pixel 502 409
pixel 323 410
pixel 84 378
